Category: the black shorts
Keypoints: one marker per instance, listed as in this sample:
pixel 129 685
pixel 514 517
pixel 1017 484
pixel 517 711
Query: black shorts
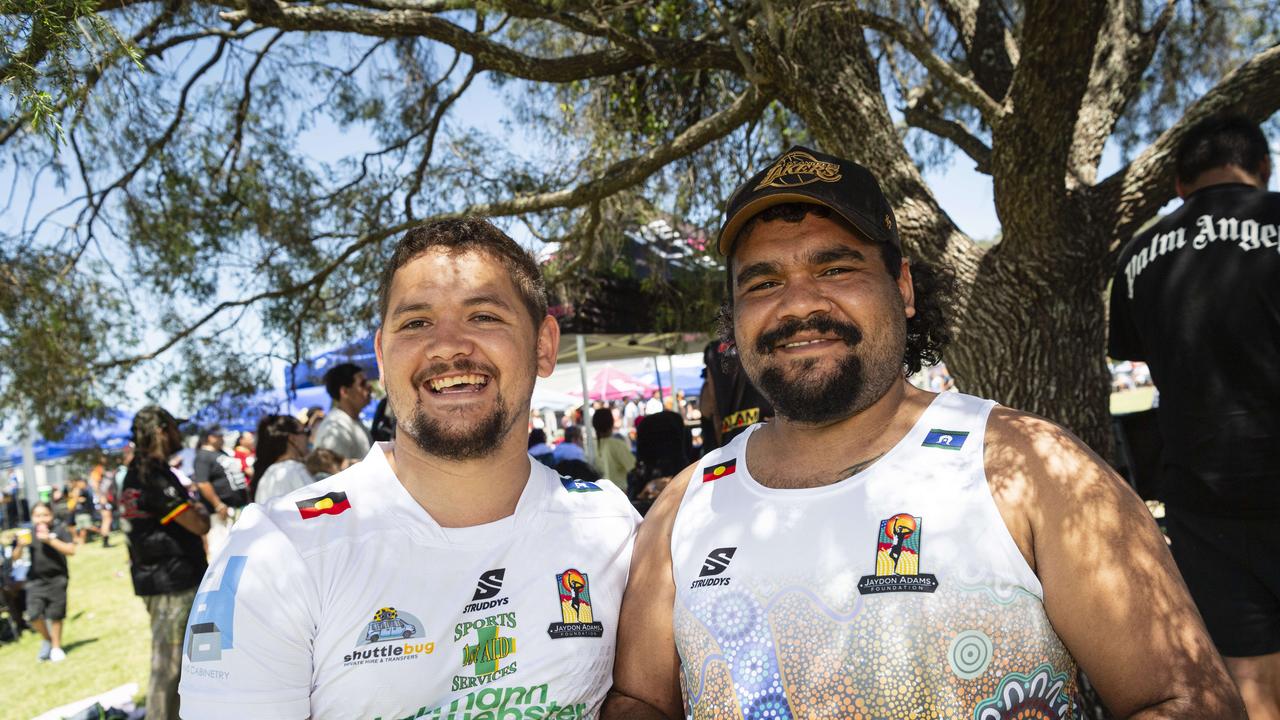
pixel 47 599
pixel 1232 567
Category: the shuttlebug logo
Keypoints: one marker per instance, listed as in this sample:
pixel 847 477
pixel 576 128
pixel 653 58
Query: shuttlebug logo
pixel 488 587
pixel 898 559
pixel 394 635
pixel 575 608
pixel 713 568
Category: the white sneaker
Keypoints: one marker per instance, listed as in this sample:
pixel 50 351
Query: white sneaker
pixel 57 655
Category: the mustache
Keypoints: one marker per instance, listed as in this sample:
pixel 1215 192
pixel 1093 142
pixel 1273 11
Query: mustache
pixel 818 323
pixel 457 366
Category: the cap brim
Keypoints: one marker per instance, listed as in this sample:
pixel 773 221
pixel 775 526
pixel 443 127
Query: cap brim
pixel 729 233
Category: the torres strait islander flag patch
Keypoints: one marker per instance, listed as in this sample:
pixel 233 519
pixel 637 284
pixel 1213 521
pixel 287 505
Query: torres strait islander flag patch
pixel 715 472
pixel 334 503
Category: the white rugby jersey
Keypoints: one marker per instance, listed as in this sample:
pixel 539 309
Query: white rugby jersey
pixel 896 593
pixel 345 599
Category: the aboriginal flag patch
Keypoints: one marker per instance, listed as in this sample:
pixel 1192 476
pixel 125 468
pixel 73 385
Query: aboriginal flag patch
pixel 334 503
pixel 715 472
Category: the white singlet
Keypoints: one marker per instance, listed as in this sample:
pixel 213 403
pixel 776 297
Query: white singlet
pixel 344 599
pixel 896 593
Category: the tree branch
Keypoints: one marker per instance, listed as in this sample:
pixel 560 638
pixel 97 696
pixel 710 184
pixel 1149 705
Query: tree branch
pixel 1134 193
pixel 986 40
pixel 1121 57
pixel 1031 145
pixel 490 54
pixel 923 114
pixel 922 51
pixel 616 177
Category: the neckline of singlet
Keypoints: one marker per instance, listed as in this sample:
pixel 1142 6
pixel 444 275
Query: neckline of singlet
pixel 750 483
pixel 426 526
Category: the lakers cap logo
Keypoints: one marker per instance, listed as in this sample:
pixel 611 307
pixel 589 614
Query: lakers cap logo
pixel 798 168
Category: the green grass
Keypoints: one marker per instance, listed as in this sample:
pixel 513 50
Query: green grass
pixel 107 636
pixel 1135 400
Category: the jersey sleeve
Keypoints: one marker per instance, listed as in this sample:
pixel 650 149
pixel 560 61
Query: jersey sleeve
pixel 202 468
pixel 163 497
pixel 247 651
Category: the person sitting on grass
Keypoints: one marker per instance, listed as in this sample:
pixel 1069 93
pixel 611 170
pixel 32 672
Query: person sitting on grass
pixel 47 579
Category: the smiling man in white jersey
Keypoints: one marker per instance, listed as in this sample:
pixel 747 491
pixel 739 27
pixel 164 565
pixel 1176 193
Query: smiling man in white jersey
pixel 877 551
pixel 446 575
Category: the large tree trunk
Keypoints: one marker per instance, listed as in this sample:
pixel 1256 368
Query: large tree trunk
pixel 1027 316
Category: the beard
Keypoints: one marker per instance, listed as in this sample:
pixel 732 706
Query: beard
pixel 801 393
pixel 454 440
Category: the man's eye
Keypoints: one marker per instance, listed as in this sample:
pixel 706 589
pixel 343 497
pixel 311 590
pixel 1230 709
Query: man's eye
pixel 837 271
pixel 484 317
pixel 414 324
pixel 764 285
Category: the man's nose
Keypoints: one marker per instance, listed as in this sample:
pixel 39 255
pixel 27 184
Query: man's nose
pixel 803 297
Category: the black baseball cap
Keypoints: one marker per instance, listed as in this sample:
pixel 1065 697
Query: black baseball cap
pixel 808 176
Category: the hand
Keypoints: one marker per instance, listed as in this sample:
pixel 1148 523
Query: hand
pixel 223 511
pixel 42 532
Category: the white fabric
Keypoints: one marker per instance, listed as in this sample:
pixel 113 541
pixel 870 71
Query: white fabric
pixel 481 606
pixel 342 434
pixel 219 531
pixel 774 584
pixel 281 478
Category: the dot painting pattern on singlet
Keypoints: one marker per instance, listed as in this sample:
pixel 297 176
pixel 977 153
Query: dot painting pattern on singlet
pixel 794 653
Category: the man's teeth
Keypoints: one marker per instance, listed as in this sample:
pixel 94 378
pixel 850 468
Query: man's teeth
pixel 799 343
pixel 447 382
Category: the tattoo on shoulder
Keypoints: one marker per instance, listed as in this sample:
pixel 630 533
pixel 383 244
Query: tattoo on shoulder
pixel 855 469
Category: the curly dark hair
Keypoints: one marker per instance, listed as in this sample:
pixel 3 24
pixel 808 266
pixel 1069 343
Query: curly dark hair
pixel 927 332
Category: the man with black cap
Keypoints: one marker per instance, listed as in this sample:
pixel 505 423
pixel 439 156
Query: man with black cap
pixel 1197 296
pixel 877 550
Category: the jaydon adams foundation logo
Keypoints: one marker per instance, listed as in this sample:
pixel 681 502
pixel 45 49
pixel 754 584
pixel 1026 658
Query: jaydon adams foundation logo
pixel 575 608
pixel 391 636
pixel 485 658
pixel 898 559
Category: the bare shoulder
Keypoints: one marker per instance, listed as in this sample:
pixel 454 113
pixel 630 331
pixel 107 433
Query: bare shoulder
pixel 1038 470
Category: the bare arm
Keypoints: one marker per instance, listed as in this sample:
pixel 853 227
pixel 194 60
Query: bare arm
pixel 208 493
pixel 1111 589
pixel 646 671
pixel 195 519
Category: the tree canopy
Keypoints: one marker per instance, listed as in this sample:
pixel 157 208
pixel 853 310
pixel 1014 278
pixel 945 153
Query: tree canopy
pixel 175 131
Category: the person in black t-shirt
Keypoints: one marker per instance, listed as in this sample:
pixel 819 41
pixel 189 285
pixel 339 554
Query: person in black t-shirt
pixel 733 403
pixel 48 546
pixel 166 554
pixel 1197 296
pixel 222 486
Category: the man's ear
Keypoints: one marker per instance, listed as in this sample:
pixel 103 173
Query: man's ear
pixel 548 346
pixel 907 288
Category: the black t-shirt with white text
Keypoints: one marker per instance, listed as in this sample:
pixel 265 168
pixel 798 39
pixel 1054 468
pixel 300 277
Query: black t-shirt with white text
pixel 223 472
pixel 1197 296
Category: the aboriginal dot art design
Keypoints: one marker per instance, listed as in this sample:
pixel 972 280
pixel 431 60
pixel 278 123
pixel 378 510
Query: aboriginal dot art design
pixel 785 650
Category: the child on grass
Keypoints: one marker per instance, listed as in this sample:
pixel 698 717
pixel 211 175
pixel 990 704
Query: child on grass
pixel 49 544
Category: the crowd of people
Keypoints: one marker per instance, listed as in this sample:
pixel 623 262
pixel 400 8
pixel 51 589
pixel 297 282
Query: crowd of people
pixel 837 542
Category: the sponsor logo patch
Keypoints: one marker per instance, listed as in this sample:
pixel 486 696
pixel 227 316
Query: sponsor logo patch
pixel 898 559
pixel 486 659
pixel 211 627
pixel 713 567
pixel 575 608
pixel 715 472
pixel 395 636
pixel 945 439
pixel 334 503
pixel 487 590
